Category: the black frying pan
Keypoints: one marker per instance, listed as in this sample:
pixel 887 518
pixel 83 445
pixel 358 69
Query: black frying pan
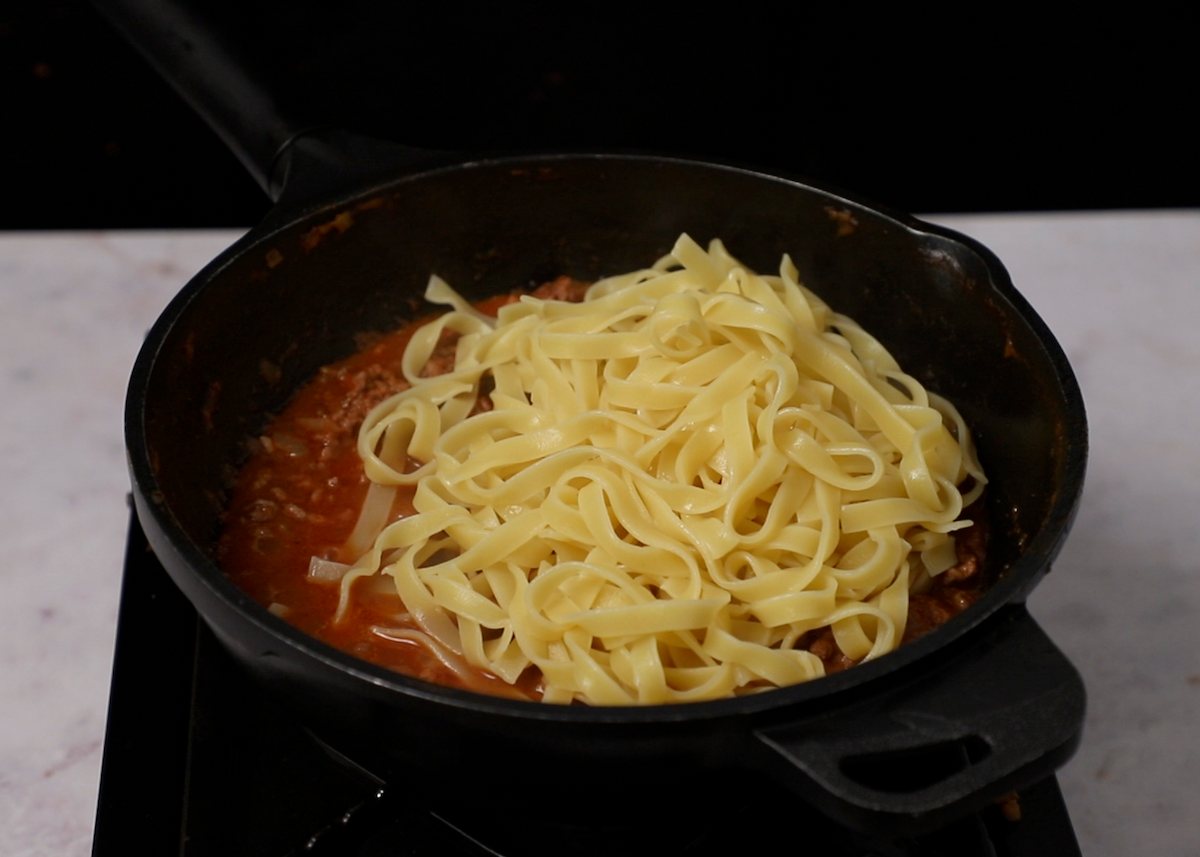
pixel 983 705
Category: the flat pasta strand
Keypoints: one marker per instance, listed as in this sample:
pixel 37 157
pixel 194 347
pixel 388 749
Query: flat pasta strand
pixel 679 478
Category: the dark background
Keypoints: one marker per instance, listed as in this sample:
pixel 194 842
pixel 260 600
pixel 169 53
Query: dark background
pixel 990 112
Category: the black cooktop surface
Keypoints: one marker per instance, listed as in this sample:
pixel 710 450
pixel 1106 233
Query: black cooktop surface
pixel 198 761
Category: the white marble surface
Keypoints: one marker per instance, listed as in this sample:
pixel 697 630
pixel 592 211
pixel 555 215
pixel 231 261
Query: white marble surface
pixel 1121 290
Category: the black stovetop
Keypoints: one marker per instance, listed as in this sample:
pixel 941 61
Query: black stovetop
pixel 198 761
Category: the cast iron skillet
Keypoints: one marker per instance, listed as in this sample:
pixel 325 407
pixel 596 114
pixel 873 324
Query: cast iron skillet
pixel 981 706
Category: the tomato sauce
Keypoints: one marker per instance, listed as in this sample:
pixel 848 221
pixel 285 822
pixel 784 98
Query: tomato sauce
pixel 298 497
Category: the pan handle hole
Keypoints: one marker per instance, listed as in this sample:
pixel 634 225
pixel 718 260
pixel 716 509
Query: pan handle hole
pixel 915 768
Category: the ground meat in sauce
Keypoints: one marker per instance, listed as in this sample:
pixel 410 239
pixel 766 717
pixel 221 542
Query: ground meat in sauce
pixel 955 589
pixel 299 494
pixel 951 592
pixel 441 360
pixel 561 289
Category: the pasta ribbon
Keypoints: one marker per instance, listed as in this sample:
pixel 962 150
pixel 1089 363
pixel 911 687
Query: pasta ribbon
pixel 677 482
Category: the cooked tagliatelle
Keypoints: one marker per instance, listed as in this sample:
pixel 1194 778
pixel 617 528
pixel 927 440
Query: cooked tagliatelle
pixel 678 480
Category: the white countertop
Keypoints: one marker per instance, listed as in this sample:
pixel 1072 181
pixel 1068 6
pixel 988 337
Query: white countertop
pixel 1120 290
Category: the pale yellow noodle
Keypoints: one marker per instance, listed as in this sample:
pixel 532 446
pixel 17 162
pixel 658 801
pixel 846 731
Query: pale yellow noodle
pixel 679 479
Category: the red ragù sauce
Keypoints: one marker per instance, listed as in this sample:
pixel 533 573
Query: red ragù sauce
pixel 299 494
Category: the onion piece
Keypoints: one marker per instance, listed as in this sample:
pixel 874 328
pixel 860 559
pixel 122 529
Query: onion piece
pixel 326 570
pixel 372 518
pixel 449 658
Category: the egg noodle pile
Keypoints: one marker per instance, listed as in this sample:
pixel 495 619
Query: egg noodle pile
pixel 681 479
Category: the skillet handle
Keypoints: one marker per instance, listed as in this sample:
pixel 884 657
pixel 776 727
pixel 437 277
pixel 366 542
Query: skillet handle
pixel 994 720
pixel 205 53
pixel 220 76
